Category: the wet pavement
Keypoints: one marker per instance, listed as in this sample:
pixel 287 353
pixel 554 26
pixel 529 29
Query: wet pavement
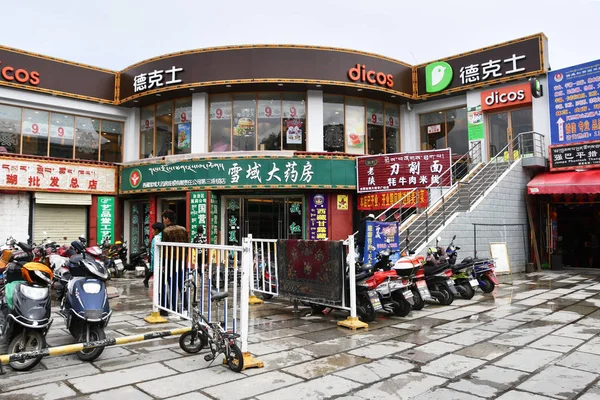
pixel 537 338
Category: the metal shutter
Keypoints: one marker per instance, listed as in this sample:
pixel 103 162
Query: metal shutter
pixel 63 224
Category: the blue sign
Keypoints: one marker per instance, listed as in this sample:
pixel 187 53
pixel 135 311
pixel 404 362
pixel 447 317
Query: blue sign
pixel 380 236
pixel 575 103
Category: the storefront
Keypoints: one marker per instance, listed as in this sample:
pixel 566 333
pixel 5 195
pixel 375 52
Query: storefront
pixel 228 147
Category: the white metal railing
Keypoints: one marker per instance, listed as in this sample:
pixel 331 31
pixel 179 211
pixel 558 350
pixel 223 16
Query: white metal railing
pixel 265 275
pixel 213 267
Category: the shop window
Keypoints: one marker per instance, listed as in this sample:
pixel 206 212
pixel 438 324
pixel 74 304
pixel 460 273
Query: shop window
pixel 35 132
pixel 263 121
pixel 87 138
pixel 10 129
pixel 348 121
pixel 447 128
pixel 62 128
pixel 333 123
pixel 147 132
pixel 294 121
pixel 183 126
pixel 111 141
pixel 164 129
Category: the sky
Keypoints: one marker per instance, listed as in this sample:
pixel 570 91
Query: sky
pixel 114 34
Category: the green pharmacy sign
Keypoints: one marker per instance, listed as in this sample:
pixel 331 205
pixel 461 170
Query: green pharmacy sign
pixel 106 218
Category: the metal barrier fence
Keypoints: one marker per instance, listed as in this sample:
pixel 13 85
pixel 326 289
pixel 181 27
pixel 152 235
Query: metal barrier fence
pixel 265 276
pixel 212 267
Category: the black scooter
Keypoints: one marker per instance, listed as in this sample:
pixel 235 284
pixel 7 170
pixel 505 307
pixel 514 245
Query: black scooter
pixel 438 275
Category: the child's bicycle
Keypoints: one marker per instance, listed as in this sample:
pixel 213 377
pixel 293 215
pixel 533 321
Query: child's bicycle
pixel 205 333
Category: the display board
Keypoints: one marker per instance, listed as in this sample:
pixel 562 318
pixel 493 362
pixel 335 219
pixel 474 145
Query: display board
pixel 499 252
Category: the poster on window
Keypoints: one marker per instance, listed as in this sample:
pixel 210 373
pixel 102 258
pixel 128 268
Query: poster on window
pixel 184 133
pixel 374 117
pixel 220 110
pixel 35 128
pixel 294 110
pixel 147 124
pixel 183 114
pixel 293 131
pixel 393 121
pixel 267 110
pixel 355 130
pixel 61 131
pixel 475 123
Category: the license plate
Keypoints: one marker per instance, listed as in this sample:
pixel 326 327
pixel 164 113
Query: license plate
pixel 474 282
pixel 424 292
pixel 374 297
pixel 421 284
pixel 407 294
pixel 450 282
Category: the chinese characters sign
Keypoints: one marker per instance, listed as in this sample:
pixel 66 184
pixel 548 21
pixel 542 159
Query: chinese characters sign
pixel 214 219
pixel 584 155
pixel 510 61
pixel 18 174
pixel 317 228
pixel 574 98
pixel 272 172
pixel 380 236
pixel 106 218
pixel 403 171
pixel 384 200
pixel 198 214
pixel 156 79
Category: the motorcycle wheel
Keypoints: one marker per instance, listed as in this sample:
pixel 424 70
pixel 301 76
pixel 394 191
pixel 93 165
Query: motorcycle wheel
pixel 235 359
pixel 468 292
pixel 419 302
pixel 185 342
pixel 26 341
pixel 486 284
pixel 365 309
pixel 403 308
pixel 316 308
pixel 448 296
pixel 96 333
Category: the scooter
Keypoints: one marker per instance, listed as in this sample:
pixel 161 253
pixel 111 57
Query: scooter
pixel 438 275
pixel 478 272
pixel 25 306
pixel 85 306
pixel 413 264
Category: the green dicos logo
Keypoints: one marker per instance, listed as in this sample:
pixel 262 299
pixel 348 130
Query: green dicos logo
pixel 438 76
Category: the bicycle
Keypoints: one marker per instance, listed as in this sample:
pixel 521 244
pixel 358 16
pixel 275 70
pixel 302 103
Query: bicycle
pixel 205 333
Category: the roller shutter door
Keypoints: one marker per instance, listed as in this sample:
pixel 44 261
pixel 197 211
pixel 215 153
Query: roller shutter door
pixel 63 223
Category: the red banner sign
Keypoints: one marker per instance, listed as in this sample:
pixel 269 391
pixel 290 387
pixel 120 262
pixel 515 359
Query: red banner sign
pixel 382 201
pixel 391 172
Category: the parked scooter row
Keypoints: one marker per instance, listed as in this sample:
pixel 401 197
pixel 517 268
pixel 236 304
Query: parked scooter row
pixel 406 284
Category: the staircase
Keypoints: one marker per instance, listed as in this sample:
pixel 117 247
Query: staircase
pixel 461 196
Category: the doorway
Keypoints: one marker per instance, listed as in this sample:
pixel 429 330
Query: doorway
pixel 178 206
pixel 504 127
pixel 263 218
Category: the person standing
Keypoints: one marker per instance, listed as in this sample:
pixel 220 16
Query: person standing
pixel 174 233
pixel 157 229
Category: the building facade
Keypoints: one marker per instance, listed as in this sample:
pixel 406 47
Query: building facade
pixel 242 140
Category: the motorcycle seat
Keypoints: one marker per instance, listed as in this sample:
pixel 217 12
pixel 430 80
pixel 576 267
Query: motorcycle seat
pixel 467 260
pixel 433 269
pixel 139 253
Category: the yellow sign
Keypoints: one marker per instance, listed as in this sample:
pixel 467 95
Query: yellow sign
pixel 342 201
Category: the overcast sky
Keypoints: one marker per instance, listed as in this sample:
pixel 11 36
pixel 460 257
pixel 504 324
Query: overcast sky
pixel 117 33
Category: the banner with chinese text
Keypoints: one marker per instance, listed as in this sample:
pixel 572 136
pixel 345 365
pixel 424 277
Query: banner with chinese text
pixel 198 216
pixel 384 200
pixel 317 227
pixel 403 171
pixel 214 219
pixel 106 218
pixel 575 156
pixel 21 174
pixel 380 236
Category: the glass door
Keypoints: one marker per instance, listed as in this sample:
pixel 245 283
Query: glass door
pixel 504 127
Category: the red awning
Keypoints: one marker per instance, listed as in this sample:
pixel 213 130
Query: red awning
pixel 571 182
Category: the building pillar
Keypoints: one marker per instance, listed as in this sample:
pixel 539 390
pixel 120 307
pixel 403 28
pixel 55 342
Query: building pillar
pixel 314 124
pixel 200 121
pixel 131 136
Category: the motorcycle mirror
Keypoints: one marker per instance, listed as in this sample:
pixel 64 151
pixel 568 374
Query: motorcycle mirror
pixel 453 237
pixel 439 239
pixel 411 252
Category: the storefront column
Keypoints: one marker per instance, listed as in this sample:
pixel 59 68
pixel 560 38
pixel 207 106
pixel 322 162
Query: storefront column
pixel 200 123
pixel 314 125
pixel 341 209
pixel 131 138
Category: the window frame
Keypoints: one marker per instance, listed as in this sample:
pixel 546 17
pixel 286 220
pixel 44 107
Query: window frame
pixel 445 112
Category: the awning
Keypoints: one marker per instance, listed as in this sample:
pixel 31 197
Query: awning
pixel 571 182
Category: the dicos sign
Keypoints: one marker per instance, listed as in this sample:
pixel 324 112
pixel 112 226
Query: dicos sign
pixel 506 97
pixel 19 75
pixel 360 73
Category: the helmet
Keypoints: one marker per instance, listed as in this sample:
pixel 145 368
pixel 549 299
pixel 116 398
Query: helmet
pixel 37 273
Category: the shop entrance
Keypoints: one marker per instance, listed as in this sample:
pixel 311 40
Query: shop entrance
pixel 506 125
pixel 263 218
pixel 578 234
pixel 178 205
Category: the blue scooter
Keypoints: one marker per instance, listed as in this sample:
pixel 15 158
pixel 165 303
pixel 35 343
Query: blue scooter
pixel 84 303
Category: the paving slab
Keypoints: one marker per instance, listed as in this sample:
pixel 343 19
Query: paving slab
pixel 135 360
pixel 446 394
pixel 582 361
pixel 488 381
pixel 127 392
pixel 592 393
pixel 558 382
pixel 403 387
pixel 557 343
pixel 39 376
pixel 452 366
pixel 376 370
pixel 273 346
pixel 50 391
pixel 189 396
pixel 251 386
pixel 527 359
pixel 321 388
pixel 470 337
pixel 277 361
pixel 519 395
pixel 426 335
pixel 577 331
pixel 323 366
pixel 485 351
pixel 124 377
pixel 382 349
pixel 429 351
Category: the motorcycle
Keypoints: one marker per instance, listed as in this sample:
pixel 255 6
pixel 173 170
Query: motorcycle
pixel 411 262
pixel 84 303
pixel 482 271
pixel 26 306
pixel 115 262
pixel 438 275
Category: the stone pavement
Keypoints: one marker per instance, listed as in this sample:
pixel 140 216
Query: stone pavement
pixel 535 339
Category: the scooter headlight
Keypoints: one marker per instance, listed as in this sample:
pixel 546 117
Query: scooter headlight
pixel 34 292
pixel 92 287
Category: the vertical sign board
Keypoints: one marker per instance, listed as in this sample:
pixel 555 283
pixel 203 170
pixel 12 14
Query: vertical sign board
pixel 106 218
pixel 214 218
pixel 574 99
pixel 198 213
pixel 317 228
